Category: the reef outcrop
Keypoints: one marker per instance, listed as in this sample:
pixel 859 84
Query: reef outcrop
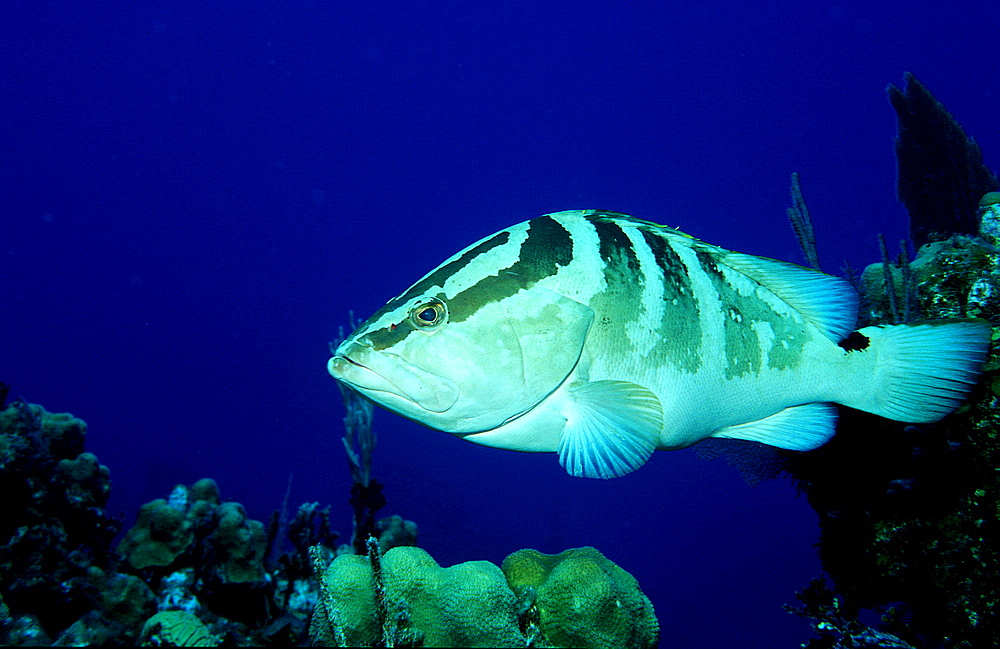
pixel 577 598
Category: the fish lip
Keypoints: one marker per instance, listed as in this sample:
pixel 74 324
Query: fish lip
pixel 339 374
pixel 436 395
pixel 350 360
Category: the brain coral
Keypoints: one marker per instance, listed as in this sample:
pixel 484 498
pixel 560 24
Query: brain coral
pixel 582 599
pixel 467 605
pixel 574 599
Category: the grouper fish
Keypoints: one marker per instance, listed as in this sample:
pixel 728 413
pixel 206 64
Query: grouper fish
pixel 603 337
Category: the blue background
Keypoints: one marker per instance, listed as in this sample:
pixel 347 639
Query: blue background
pixel 195 194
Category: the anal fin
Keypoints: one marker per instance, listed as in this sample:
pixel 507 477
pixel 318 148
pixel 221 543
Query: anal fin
pixel 797 428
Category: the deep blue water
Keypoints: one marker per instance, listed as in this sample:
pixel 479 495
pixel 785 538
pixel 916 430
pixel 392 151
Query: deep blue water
pixel 195 195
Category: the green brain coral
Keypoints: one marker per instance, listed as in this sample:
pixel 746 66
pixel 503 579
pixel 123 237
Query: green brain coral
pixel 467 605
pixel 574 599
pixel 583 599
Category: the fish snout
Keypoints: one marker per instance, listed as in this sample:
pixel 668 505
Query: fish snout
pixel 387 378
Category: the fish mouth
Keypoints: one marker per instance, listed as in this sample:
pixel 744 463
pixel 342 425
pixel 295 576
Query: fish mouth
pixel 409 387
pixel 357 375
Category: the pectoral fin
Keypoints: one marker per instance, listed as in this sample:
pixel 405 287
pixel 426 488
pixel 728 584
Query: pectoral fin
pixel 612 427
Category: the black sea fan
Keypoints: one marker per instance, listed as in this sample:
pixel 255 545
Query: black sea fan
pixel 940 172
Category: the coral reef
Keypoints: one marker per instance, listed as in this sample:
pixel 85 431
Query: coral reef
pixel 198 560
pixel 204 554
pixel 582 599
pixel 574 599
pixel 989 217
pixel 911 514
pixel 953 278
pixel 838 629
pixel 55 535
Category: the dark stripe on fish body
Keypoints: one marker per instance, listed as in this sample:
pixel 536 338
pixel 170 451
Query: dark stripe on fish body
pixel 742 344
pixel 547 247
pixel 616 248
pixel 616 304
pixel 680 328
pixel 440 275
pixel 676 282
pixel 387 337
pixel 740 341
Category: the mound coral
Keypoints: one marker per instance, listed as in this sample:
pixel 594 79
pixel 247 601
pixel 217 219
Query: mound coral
pixel 574 599
pixel 241 543
pixel 53 525
pixel 166 529
pixel 582 599
pixel 160 535
pixel 467 605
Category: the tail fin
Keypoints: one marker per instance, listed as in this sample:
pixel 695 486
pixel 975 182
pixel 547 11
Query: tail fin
pixel 924 371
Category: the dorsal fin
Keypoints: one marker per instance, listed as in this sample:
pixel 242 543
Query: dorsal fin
pixel 830 303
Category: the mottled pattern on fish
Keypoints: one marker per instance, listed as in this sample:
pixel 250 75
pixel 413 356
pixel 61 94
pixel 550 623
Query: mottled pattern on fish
pixel 602 336
pixel 607 260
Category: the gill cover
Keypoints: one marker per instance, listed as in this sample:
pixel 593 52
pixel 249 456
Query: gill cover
pixel 475 371
pixel 505 357
pixel 551 330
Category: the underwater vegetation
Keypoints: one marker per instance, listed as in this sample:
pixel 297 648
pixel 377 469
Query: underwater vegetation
pixel 910 514
pixel 940 171
pixel 195 571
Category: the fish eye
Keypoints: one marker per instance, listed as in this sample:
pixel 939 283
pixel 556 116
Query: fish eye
pixel 428 315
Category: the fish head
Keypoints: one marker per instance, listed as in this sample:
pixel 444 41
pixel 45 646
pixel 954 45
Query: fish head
pixel 465 363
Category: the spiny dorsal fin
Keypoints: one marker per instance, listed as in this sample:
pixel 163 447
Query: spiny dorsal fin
pixel 830 303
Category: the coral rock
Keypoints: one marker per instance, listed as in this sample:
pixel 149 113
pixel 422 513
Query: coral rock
pixel 583 599
pixel 159 536
pixel 467 605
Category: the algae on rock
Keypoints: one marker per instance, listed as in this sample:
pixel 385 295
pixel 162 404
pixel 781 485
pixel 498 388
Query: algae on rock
pixel 910 514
